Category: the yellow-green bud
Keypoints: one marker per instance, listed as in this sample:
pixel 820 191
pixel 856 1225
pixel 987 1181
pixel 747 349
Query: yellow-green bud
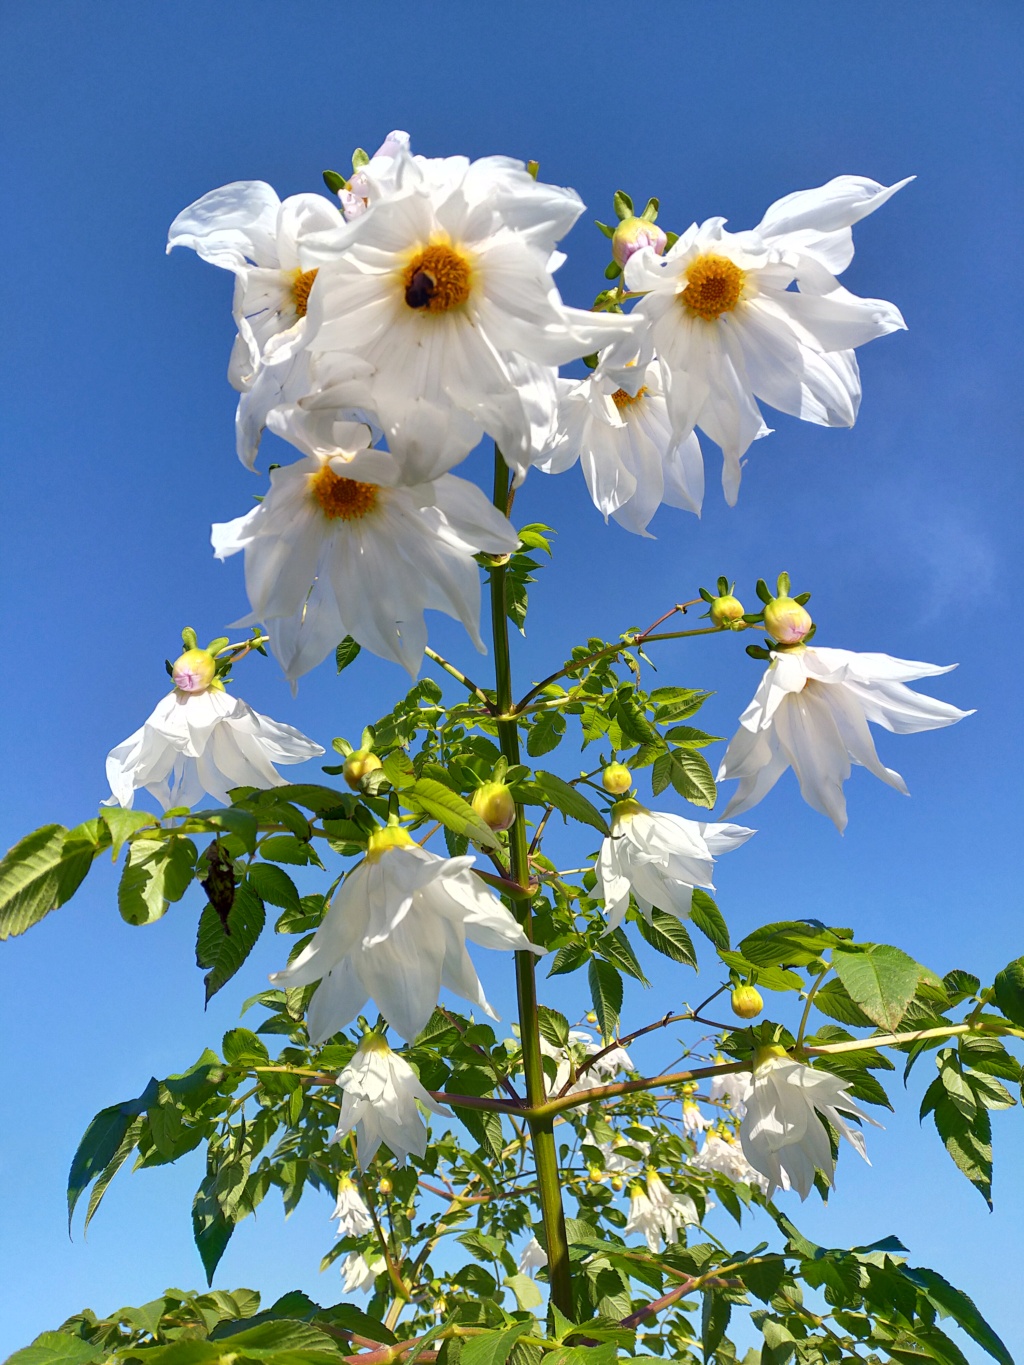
pixel 616 778
pixel 726 610
pixel 194 671
pixel 494 804
pixel 747 1002
pixel 786 620
pixel 634 233
pixel 359 764
pixel 617 1182
pixel 591 1017
pixel 384 1185
pixel 382 841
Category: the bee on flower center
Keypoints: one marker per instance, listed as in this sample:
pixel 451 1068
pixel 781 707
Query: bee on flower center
pixel 437 279
pixel 302 283
pixel 714 285
pixel 342 499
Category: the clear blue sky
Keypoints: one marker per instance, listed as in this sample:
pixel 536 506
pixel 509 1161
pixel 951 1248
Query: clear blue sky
pixel 118 428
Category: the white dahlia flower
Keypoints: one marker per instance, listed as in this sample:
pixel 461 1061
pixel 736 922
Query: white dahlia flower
pixel 722 1154
pixel 444 286
pixel 336 548
pixel 782 1133
pixel 729 328
pixel 660 858
pixel 380 1095
pixel 358 1274
pixel 352 1214
pixel 630 457
pixel 203 741
pixel 731 1090
pixel 657 1213
pixel 600 1073
pixel 532 1257
pixel 395 933
pixel 811 713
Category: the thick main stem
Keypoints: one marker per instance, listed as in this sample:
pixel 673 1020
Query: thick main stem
pixel 545 1154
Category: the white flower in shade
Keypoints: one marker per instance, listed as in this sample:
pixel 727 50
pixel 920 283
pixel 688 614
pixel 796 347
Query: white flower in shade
pixel 729 328
pixel 380 1095
pixel 782 1134
pixel 375 179
pixel 359 1274
pixel 693 1120
pixel 203 741
pixel 352 1214
pixel 722 1154
pixel 444 285
pixel 660 858
pixel 599 1073
pixel 532 1257
pixel 811 713
pixel 395 933
pixel 336 548
pixel 732 1090
pixel 245 228
pixel 657 1213
pixel 630 457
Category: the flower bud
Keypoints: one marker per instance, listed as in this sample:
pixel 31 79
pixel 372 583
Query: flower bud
pixel 617 1182
pixel 494 804
pixel 786 620
pixel 616 778
pixel 726 610
pixel 591 1017
pixel 747 1002
pixel 634 233
pixel 194 671
pixel 384 1185
pixel 359 764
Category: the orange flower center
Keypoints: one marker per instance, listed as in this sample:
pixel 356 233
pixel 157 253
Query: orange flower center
pixel 713 287
pixel 342 499
pixel 302 283
pixel 437 279
pixel 622 399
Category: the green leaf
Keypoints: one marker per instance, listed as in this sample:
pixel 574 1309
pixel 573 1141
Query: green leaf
pixel 708 918
pixel 668 936
pixel 571 802
pixel 99 1189
pixel 58 1348
pixel 835 1000
pixel 494 1348
pixel 692 778
pixel 1009 989
pixel 554 1027
pixel 210 1228
pixel 545 733
pixel 41 872
pixel 773 978
pixel 450 809
pixel 346 653
pixel 122 824
pixel 241 1047
pixel 101 1142
pixel 233 820
pixel 155 874
pixel 273 885
pixel 954 1303
pixel 714 1319
pixel 880 979
pixel 616 947
pixel 528 1295
pixel 967 1140
pixel 347 1315
pixel 606 993
pixel 223 948
pixel 793 942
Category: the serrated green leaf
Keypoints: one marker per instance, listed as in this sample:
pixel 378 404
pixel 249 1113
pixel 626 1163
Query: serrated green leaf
pixel 880 979
pixel 58 1348
pixel 553 1026
pixel 606 993
pixel 708 918
pixel 493 1348
pixel 222 948
pixel 123 823
pixel 835 1000
pixel 570 801
pixel 346 653
pixel 450 809
pixel 668 936
pixel 124 1150
pixel 615 946
pixel 274 886
pixel 692 778
pixel 40 873
pixel 101 1141
pixel 545 733
pixel 1009 991
pixel 211 1230
pixel 156 873
pixel 955 1303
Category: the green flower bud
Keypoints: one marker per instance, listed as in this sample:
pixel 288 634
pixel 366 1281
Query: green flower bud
pixel 494 804
pixel 725 611
pixel 359 764
pixel 747 1002
pixel 634 233
pixel 786 620
pixel 194 671
pixel 616 779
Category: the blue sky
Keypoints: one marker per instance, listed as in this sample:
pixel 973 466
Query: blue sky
pixel 119 455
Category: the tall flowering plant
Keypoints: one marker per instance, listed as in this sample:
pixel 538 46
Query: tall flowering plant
pixel 511 1192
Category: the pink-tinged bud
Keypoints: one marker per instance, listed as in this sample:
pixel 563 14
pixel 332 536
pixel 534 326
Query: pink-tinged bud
pixel 747 1002
pixel 494 804
pixel 359 764
pixel 634 233
pixel 725 611
pixel 786 620
pixel 616 779
pixel 194 671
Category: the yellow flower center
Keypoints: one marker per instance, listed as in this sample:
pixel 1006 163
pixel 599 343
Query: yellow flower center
pixel 302 283
pixel 713 287
pixel 342 499
pixel 622 399
pixel 437 279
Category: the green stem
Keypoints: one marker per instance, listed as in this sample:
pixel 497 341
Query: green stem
pixel 545 1153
